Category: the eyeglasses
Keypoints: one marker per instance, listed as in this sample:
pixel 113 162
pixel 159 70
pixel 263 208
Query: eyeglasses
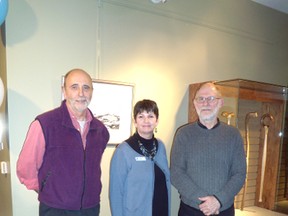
pixel 210 99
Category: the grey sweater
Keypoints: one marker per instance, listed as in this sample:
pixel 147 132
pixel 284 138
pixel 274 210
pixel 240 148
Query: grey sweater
pixel 208 162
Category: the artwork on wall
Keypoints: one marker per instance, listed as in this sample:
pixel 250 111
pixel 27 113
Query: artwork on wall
pixel 112 104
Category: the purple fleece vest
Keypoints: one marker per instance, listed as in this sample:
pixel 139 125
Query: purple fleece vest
pixel 69 177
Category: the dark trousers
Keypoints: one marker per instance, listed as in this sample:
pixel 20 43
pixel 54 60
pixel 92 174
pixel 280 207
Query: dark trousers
pixel 186 210
pixel 45 210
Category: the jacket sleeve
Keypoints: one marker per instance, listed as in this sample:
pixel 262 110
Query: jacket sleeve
pixel 118 174
pixel 31 156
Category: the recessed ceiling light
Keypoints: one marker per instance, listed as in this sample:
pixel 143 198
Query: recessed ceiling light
pixel 158 1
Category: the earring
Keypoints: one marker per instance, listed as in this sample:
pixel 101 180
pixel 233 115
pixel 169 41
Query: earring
pixel 156 130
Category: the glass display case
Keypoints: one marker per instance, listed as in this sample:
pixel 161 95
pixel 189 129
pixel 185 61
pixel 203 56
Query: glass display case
pixel 258 110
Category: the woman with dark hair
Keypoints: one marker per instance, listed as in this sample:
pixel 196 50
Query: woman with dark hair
pixel 139 173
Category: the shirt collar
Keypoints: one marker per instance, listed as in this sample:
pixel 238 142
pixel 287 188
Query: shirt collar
pixel 73 117
pixel 203 126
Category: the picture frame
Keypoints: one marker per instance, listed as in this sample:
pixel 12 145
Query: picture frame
pixel 112 104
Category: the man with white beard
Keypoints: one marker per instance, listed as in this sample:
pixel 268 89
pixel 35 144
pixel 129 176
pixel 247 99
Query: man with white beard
pixel 62 152
pixel 208 165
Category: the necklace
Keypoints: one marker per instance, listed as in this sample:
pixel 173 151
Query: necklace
pixel 148 153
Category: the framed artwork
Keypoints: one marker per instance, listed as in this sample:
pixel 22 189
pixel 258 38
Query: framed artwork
pixel 112 104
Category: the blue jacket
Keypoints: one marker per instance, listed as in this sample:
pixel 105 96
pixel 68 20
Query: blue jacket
pixel 132 181
pixel 69 177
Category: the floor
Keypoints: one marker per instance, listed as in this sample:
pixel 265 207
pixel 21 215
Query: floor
pixel 256 211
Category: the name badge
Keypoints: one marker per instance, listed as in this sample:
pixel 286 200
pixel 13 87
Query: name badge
pixel 140 158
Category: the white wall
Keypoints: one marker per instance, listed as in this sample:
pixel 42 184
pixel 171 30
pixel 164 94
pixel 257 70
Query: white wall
pixel 160 48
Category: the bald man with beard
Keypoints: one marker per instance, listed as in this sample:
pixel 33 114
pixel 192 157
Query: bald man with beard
pixel 208 163
pixel 61 155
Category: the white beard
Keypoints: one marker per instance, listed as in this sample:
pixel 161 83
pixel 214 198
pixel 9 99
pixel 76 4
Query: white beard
pixel 79 107
pixel 208 116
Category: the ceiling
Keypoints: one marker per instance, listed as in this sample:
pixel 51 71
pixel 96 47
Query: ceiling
pixel 280 5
